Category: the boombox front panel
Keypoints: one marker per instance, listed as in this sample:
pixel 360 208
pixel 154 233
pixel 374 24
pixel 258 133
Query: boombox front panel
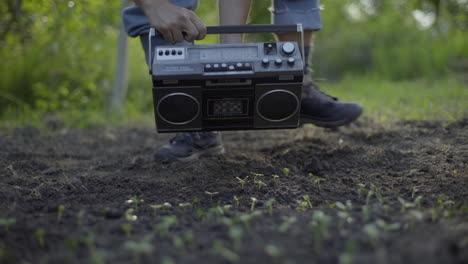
pixel 227 87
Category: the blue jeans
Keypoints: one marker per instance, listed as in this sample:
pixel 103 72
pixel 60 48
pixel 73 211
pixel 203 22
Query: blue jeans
pixel 305 12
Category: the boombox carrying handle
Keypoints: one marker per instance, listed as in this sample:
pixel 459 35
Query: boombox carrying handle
pixel 237 29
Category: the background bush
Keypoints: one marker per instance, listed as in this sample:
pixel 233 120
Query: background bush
pixel 60 55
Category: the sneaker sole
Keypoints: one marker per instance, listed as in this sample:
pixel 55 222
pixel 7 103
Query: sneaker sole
pixel 329 124
pixel 218 150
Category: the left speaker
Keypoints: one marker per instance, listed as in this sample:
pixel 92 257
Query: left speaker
pixel 178 107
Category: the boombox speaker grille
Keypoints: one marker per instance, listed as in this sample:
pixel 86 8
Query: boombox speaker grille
pixel 178 108
pixel 277 105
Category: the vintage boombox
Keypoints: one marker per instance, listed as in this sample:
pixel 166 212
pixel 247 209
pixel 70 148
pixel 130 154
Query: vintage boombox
pixel 228 86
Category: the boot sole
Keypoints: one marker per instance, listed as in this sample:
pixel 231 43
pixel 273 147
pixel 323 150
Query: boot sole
pixel 218 150
pixel 329 124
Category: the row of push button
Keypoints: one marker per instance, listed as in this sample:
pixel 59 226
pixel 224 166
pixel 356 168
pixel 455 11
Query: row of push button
pixel 169 52
pixel 228 67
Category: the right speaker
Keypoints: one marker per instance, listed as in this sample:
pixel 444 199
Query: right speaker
pixel 277 105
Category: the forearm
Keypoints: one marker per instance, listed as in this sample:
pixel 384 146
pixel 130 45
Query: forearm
pixel 233 13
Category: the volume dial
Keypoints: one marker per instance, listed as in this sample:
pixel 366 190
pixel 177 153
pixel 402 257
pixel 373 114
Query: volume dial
pixel 288 48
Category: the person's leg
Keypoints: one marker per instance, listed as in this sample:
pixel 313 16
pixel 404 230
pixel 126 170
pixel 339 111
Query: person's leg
pixel 184 146
pixel 316 107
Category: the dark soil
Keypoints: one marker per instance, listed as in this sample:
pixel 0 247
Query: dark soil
pixel 92 173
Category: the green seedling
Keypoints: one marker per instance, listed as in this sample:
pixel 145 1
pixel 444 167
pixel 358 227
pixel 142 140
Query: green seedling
pixel 286 171
pixel 259 184
pixel 242 181
pixel 317 182
pixel 414 190
pixel 382 200
pixel 236 233
pixel 288 221
pixel 320 223
pixel 418 201
pixel 345 217
pixel 129 216
pixel 311 176
pixel 157 207
pixel 7 222
pixel 139 248
pixel 369 196
pixel 256 175
pixel 366 213
pixel 60 210
pixel 201 214
pixel 185 205
pixel 127 229
pixel 360 189
pixel 307 199
pixel 195 202
pixel 405 205
pixel 219 249
pixel 80 216
pixel 347 257
pixel 40 235
pixel 373 234
pixel 344 207
pixel 269 204
pixel 275 178
pixel 415 216
pixel 211 194
pixel 434 214
pixel 273 251
pixel 302 205
pixel 165 224
pixel 238 199
pixel 247 218
pixel 387 227
pixel 134 201
pixel 330 204
pixel 254 201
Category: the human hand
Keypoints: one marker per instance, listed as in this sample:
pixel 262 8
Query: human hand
pixel 173 22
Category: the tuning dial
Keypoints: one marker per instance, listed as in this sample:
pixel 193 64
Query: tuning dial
pixel 288 48
pixel 291 61
pixel 265 62
pixel 278 62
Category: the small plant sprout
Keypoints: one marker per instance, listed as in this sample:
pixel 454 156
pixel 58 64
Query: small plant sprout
pixel 185 205
pixel 275 178
pixel 307 199
pixel 366 213
pixel 254 201
pixel 418 201
pixel 201 214
pixel 405 205
pixel 269 204
pixel 165 224
pixel 317 182
pixel 347 257
pixel 242 181
pixel 60 210
pixel 219 249
pixel 288 221
pixel 382 200
pixel 286 171
pixel 273 251
pixel 345 217
pixel 256 175
pixel 238 199
pixel 80 216
pixel 414 190
pixel 127 229
pixel 360 189
pixel 373 233
pixel 40 235
pixel 139 248
pixel 157 207
pixel 129 216
pixel 211 194
pixel 311 176
pixel 330 204
pixel 134 201
pixel 387 227
pixel 320 222
pixel 236 233
pixel 247 218
pixel 7 222
pixel 369 196
pixel 260 184
pixel 195 202
pixel 415 216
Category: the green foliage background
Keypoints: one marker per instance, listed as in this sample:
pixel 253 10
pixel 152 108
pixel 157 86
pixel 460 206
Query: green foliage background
pixel 59 56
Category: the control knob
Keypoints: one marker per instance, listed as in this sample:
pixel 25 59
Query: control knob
pixel 278 62
pixel 288 48
pixel 265 62
pixel 291 61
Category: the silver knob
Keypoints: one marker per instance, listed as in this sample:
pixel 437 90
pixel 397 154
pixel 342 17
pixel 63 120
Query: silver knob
pixel 291 61
pixel 288 48
pixel 265 62
pixel 278 62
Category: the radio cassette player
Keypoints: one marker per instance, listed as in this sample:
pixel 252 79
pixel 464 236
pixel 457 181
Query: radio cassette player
pixel 228 86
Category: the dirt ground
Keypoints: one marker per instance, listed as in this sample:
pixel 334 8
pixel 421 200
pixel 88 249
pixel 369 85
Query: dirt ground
pixel 64 196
